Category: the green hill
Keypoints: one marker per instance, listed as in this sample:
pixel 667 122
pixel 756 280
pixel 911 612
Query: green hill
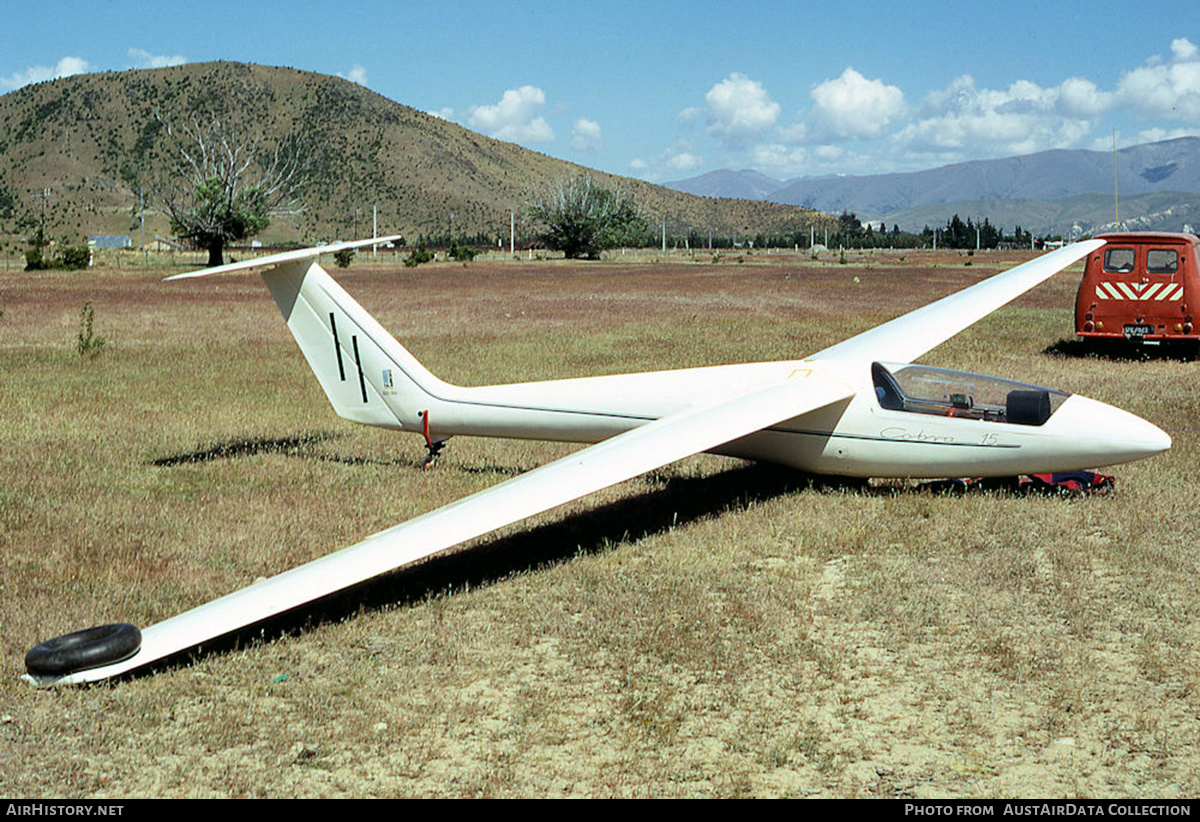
pixel 92 139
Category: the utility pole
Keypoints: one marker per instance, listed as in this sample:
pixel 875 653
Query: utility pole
pixel 44 193
pixel 142 222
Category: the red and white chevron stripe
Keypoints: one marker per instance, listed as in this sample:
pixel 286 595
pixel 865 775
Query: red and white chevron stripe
pixel 1157 292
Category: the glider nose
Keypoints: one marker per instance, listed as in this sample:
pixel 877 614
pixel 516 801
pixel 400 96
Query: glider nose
pixel 1112 435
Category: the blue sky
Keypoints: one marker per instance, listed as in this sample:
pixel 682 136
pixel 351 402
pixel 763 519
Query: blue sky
pixel 669 90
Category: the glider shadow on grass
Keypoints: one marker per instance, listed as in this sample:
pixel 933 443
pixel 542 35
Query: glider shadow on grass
pixel 674 502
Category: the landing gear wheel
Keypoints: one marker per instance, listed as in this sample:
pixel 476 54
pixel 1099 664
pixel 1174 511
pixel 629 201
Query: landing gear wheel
pixel 433 451
pixel 89 648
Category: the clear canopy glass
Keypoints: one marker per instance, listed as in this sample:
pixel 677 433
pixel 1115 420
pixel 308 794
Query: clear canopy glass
pixel 922 389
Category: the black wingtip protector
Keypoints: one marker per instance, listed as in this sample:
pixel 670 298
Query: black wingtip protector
pixel 81 650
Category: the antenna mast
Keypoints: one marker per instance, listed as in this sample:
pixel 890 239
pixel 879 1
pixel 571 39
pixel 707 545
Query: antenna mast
pixel 1116 206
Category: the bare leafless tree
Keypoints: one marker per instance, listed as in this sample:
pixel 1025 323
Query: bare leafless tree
pixel 221 186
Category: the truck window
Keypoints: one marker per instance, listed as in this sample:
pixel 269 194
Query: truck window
pixel 1162 261
pixel 1119 260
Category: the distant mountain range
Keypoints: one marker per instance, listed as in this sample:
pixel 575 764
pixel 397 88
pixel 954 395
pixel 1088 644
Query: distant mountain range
pixel 1060 191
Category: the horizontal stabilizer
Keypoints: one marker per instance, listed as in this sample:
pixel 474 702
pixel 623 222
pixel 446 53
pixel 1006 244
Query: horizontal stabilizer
pixel 285 257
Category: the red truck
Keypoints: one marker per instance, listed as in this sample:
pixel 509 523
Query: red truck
pixel 1141 286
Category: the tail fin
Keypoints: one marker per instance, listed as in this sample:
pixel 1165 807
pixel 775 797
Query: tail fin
pixel 366 374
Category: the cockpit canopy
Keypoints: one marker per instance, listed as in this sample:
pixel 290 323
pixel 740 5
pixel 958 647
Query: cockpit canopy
pixel 921 389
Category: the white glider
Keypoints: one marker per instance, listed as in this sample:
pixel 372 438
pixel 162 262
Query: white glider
pixel 858 408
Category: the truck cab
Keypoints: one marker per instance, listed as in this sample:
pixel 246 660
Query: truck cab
pixel 1143 287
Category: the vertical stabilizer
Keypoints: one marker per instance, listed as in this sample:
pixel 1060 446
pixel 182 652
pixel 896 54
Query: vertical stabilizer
pixel 366 374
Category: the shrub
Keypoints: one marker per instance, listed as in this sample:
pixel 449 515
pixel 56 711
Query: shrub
pixel 88 343
pixel 73 257
pixel 418 255
pixel 462 253
pixel 70 258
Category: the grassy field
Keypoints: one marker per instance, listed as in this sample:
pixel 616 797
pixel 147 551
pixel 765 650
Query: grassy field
pixel 712 629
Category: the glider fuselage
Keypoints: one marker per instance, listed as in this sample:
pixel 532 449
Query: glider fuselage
pixel 925 436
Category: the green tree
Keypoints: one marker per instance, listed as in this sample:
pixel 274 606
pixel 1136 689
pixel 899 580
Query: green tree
pixel 581 218
pixel 223 187
pixel 850 229
pixel 958 234
pixel 69 257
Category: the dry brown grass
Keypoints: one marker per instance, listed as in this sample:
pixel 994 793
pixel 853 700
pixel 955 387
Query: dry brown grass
pixel 712 629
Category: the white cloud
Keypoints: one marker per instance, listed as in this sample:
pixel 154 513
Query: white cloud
pixel 65 67
pixel 143 59
pixel 1104 142
pixel 689 116
pixel 1170 89
pixel 676 159
pixel 1150 135
pixel 780 160
pixel 795 133
pixel 1078 97
pixel 830 153
pixel 586 135
pixel 854 107
pixel 683 161
pixel 738 110
pixel 1184 50
pixel 679 156
pixel 514 117
pixel 957 122
pixel 356 74
pixel 962 120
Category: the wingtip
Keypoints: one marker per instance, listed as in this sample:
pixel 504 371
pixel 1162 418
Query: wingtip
pixel 283 257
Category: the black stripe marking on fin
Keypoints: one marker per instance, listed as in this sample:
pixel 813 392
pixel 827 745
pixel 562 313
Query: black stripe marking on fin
pixel 362 381
pixel 337 348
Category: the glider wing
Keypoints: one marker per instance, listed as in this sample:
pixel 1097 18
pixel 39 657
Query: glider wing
pixel 653 445
pixel 911 335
